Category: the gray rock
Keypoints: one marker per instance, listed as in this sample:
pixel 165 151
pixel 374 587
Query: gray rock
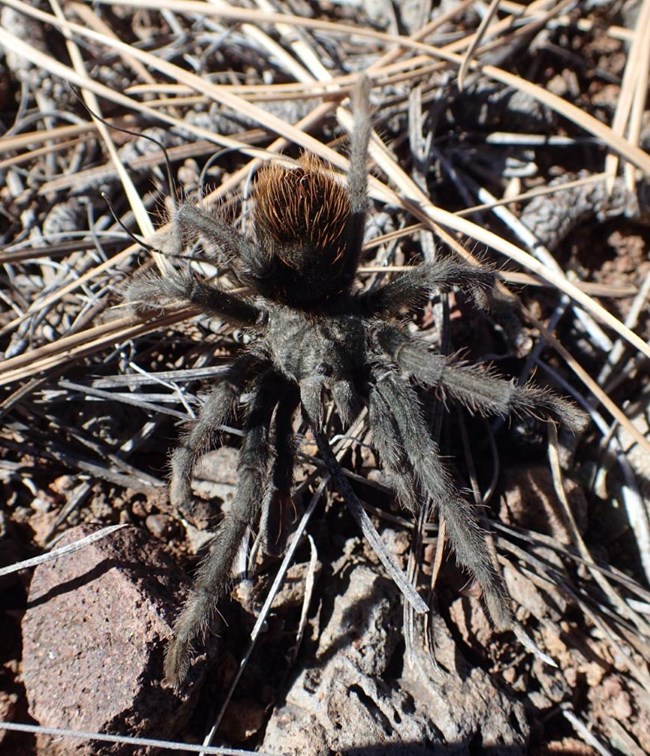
pixel 362 697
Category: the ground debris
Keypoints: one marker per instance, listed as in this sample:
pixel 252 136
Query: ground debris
pixel 93 402
pixel 359 695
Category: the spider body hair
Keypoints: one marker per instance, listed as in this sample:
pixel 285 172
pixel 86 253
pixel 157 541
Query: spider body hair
pixel 301 217
pixel 316 334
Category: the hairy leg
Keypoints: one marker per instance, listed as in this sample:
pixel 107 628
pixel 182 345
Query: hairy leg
pixel 358 176
pixel 212 577
pixel 477 389
pixel 354 505
pixel 403 428
pixel 278 505
pixel 386 439
pixel 150 294
pixel 218 409
pixel 231 247
pixel 413 287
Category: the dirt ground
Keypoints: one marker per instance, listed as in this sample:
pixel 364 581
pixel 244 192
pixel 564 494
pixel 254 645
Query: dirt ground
pixel 518 140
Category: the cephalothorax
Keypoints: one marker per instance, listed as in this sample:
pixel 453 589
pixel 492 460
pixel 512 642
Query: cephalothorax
pixel 315 335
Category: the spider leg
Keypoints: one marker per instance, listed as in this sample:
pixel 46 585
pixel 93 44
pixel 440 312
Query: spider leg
pixel 308 393
pixel 386 440
pixel 477 389
pixel 231 247
pixel 151 293
pixel 413 287
pixel 358 176
pixel 212 577
pixel 279 505
pixel 218 409
pixel 401 432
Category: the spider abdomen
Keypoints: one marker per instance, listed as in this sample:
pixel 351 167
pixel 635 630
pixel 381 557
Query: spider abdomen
pixel 302 222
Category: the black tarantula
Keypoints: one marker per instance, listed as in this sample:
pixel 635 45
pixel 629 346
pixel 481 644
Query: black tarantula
pixel 316 334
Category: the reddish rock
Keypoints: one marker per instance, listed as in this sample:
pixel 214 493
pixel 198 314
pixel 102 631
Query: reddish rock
pixel 94 637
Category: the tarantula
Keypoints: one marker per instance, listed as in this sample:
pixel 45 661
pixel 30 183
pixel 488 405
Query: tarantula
pixel 317 334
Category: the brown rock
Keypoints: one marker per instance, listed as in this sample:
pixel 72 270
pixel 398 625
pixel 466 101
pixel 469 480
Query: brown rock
pixel 161 526
pixel 94 636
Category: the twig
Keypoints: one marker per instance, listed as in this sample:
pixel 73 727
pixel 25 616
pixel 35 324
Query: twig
pixel 582 730
pixel 264 611
pixel 144 742
pixel 626 611
pixel 63 551
pixel 365 524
